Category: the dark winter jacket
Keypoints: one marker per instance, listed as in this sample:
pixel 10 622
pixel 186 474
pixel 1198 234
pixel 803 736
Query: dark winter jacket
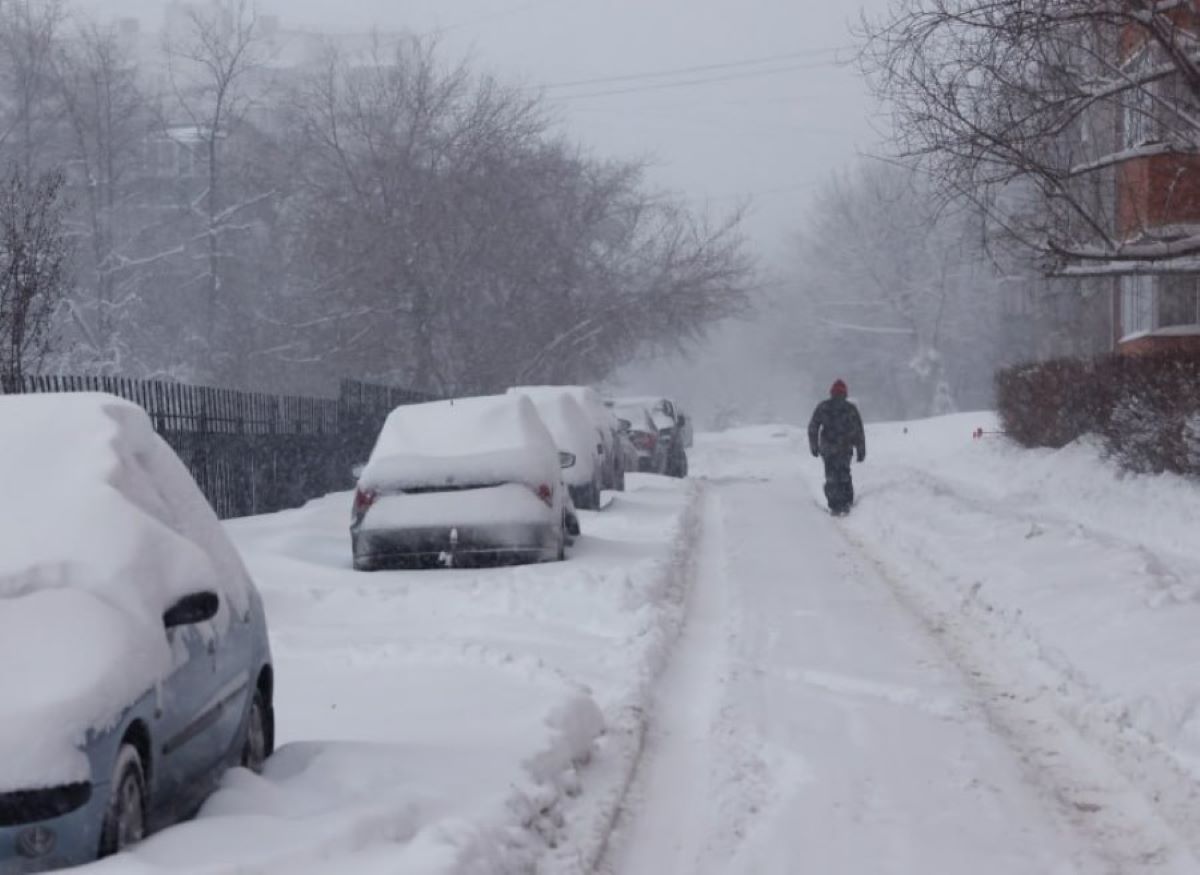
pixel 836 429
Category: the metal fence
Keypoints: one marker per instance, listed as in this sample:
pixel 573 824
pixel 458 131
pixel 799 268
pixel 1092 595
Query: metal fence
pixel 251 452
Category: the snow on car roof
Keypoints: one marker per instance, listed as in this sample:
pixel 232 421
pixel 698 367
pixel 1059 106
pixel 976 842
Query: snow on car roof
pixel 587 397
pixel 650 401
pixel 101 530
pixel 652 404
pixel 488 439
pixel 635 412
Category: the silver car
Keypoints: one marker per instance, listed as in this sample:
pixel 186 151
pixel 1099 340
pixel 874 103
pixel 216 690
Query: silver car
pixel 137 666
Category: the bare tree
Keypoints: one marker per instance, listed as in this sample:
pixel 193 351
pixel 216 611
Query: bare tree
pixel 468 248
pixel 1028 108
pixel 211 61
pixel 33 268
pixel 896 293
pixel 108 118
pixel 29 30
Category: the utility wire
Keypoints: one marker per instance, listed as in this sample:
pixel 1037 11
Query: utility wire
pixel 700 68
pixel 691 83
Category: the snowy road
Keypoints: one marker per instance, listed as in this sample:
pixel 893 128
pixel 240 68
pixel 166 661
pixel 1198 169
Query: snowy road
pixel 818 716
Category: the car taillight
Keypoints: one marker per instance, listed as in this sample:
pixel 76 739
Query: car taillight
pixel 546 494
pixel 363 499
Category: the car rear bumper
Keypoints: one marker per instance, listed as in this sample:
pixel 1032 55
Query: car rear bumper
pixel 471 545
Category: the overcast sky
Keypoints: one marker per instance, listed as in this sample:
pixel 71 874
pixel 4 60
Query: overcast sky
pixel 771 131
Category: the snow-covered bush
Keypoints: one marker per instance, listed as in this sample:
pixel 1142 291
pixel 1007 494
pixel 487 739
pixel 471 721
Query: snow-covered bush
pixel 1191 441
pixel 1146 409
pixel 1134 435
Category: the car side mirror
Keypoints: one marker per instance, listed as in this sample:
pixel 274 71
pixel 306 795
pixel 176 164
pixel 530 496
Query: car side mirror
pixel 198 607
pixel 566 460
pixel 624 426
pixel 682 420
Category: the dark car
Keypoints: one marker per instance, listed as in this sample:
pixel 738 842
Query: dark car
pixel 673 430
pixel 468 481
pixel 639 427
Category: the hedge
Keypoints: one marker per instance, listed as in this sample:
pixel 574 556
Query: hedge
pixel 1146 409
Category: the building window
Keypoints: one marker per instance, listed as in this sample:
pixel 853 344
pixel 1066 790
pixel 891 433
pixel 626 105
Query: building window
pixel 1137 123
pixel 1137 304
pixel 1178 301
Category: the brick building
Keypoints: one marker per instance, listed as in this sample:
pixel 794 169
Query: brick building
pixel 1157 201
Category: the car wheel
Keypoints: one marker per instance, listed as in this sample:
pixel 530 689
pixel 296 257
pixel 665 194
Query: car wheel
pixel 125 818
pixel 587 497
pixel 256 744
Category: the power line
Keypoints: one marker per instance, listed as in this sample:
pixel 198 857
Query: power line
pixel 762 192
pixel 691 83
pixel 700 68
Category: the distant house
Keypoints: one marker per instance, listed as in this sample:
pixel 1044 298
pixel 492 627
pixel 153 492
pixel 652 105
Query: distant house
pixel 1157 201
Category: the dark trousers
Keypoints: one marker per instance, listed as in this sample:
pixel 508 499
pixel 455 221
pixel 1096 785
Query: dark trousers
pixel 839 487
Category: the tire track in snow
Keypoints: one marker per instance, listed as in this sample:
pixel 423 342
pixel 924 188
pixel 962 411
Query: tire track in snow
pixel 1143 762
pixel 609 783
pixel 652 835
pixel 1091 790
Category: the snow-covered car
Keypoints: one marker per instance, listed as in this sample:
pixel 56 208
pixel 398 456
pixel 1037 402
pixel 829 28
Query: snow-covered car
pixel 629 453
pixel 134 646
pixel 465 481
pixel 612 468
pixel 639 427
pixel 674 430
pixel 574 433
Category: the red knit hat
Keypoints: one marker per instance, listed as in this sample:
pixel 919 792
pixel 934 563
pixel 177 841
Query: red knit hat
pixel 838 388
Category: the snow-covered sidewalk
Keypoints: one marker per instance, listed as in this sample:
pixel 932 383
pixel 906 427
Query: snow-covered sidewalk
pixel 810 722
pixel 989 666
pixel 440 721
pixel 1086 582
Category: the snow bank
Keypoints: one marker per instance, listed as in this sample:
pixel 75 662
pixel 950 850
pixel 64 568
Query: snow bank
pixel 469 441
pixel 102 529
pixel 458 721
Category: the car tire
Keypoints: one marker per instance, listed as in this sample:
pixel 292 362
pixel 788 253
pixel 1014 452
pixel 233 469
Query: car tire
pixel 125 818
pixel 589 497
pixel 256 741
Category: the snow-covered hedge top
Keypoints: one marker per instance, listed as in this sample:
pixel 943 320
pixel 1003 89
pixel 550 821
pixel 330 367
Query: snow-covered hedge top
pixel 467 441
pixel 101 530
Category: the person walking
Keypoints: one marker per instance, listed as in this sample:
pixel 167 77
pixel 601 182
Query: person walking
pixel 835 433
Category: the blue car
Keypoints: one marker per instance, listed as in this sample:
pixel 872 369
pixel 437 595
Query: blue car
pixel 137 666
